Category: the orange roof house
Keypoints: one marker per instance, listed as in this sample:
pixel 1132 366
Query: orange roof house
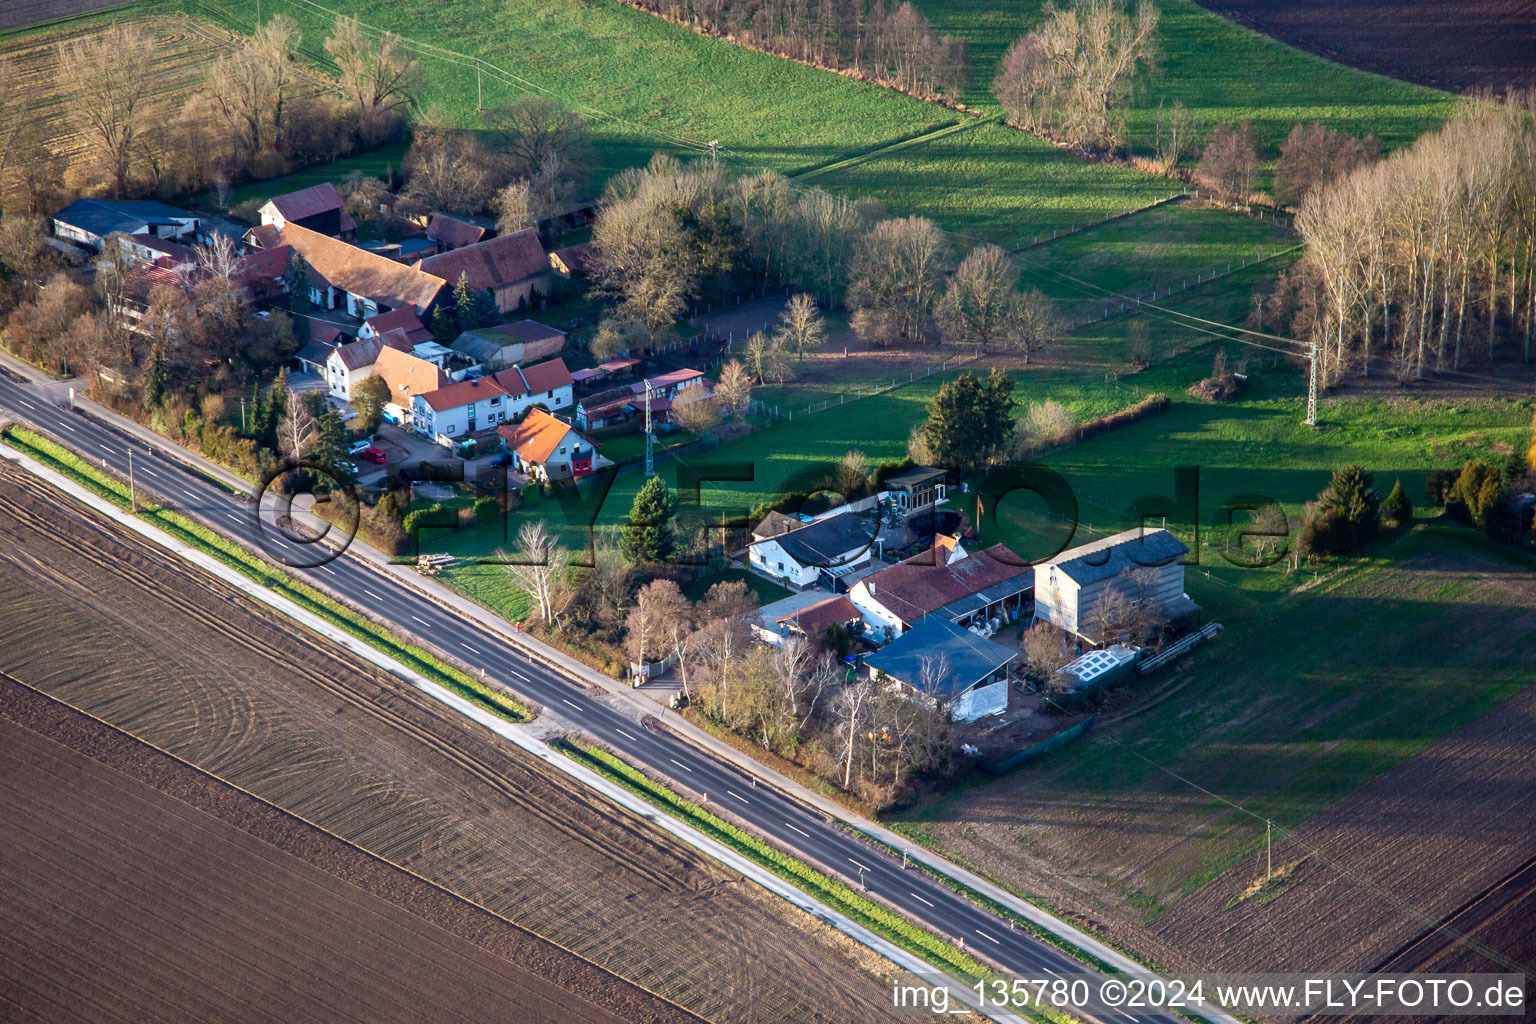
pixel 407 376
pixel 548 448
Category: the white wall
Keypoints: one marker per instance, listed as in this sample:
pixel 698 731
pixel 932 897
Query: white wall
pixel 876 615
pixel 980 701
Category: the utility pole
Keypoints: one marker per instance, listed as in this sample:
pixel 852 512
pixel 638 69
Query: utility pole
pixel 1312 389
pixel 479 91
pixel 714 152
pixel 1269 859
pixel 133 497
pixel 650 437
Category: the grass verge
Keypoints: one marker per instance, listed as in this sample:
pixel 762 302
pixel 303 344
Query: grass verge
pixel 205 540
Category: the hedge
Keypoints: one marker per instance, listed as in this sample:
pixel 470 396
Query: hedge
pixel 1149 406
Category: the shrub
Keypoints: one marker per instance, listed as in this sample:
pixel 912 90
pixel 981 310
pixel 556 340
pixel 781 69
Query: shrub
pixel 1149 406
pixel 487 509
pixel 1397 507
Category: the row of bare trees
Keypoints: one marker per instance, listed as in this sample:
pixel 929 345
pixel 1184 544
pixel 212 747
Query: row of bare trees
pixel 894 45
pixel 1428 257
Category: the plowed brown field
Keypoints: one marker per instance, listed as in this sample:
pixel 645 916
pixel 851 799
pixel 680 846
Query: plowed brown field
pixel 132 887
pixel 1450 44
pixel 142 641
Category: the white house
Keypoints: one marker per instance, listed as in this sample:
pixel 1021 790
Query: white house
pixel 407 376
pixel 947 582
pixel 1069 587
pixel 90 221
pixel 350 364
pixel 485 402
pixel 839 541
pixel 546 448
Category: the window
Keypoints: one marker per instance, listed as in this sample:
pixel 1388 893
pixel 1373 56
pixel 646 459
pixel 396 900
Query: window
pixel 562 449
pixel 779 564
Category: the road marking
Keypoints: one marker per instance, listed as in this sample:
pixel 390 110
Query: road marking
pixel 806 834
pixel 188 493
pixel 376 597
pixel 329 569
pixel 67 427
pixel 988 937
pixel 571 703
pixel 423 621
pixel 104 447
pixel 468 648
pixel 28 404
pixel 232 516
pixel 921 900
pixel 856 864
pixel 626 735
pixel 518 674
pixel 738 796
pixel 680 764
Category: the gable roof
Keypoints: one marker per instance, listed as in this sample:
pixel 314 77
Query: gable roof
pixel 1129 550
pixel 462 392
pixel 102 217
pixel 917 586
pixel 823 542
pixel 178 253
pixel 540 377
pixel 812 619
pixel 528 330
pixel 402 319
pixel 357 354
pixel 969 657
pixel 307 202
pixel 407 375
pixel 537 437
pixel 775 524
pixel 361 272
pixel 454 232
pixel 263 264
pixel 666 380
pixel 573 257
pixel 502 260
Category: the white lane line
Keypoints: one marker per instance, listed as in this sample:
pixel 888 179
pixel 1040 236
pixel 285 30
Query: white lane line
pixel 571 703
pixel 738 796
pixel 28 404
pixel 423 621
pixel 468 648
pixel 856 864
pixel 518 674
pixel 626 735
pixel 806 834
pixel 105 448
pixel 988 937
pixel 680 764
pixel 376 597
pixel 188 493
pixel 920 899
pixel 232 516
pixel 329 569
pixel 67 427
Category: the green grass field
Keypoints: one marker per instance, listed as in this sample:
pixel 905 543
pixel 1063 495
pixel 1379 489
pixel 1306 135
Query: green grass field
pixel 1219 69
pixel 373 163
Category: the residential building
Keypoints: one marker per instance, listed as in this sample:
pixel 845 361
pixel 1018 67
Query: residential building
pixel 407 376
pixel 471 405
pixel 812 621
pixel 342 275
pixel 916 489
pixel 505 345
pixel 837 542
pixel 404 320
pixel 263 273
pixel 950 666
pixel 547 448
pixel 619 405
pixel 350 364
pixel 145 249
pixel 1145 565
pixel 318 208
pixel 91 221
pixel 945 582
pixel 571 261
pixel 514 268
pixel 449 233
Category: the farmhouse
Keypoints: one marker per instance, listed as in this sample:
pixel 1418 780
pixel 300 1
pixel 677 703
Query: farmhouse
pixel 1070 586
pixel 836 543
pixel 318 208
pixel 450 233
pixel 945 582
pixel 512 267
pixel 546 448
pixel 404 320
pixel 949 665
pixel 90 221
pixel 470 405
pixel 361 282
pixel 407 376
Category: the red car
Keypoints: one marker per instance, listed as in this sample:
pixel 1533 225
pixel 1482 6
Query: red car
pixel 373 455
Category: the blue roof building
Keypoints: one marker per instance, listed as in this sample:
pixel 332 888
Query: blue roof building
pixel 950 665
pixel 90 221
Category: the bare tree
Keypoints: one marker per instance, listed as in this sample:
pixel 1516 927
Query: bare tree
pixel 734 391
pixel 980 304
pixel 378 74
pixel 249 90
pixel 107 76
pixel 1068 75
pixel 766 359
pixel 1047 649
pixel 1230 160
pixel 218 257
pixel 695 411
pixel 1177 129
pixel 850 709
pixel 648 636
pixel 895 277
pixel 541 567
pixel 801 328
pixel 537 133
pixel 296 426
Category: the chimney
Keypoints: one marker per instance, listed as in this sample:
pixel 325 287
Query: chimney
pixel 871 588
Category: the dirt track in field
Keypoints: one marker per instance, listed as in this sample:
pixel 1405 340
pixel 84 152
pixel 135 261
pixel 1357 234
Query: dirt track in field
pixel 142 641
pixel 16 13
pixel 134 887
pixel 1449 44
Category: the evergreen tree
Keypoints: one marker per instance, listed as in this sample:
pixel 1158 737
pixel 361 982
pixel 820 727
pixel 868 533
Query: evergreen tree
pixel 464 304
pixel 277 398
pixel 647 537
pixel 329 447
pixel 298 297
pixel 1397 507
pixel 443 329
pixel 486 312
pixel 1350 497
pixel 152 388
pixel 970 421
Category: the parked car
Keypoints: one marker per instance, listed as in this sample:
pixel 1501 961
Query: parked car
pixel 360 446
pixel 504 459
pixel 373 455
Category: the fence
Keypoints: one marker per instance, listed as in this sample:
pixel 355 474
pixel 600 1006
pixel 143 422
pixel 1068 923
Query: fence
pixel 1201 277
pixel 783 414
pixel 1037 751
pixel 1179 648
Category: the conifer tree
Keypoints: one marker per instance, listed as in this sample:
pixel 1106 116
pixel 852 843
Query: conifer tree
pixel 647 537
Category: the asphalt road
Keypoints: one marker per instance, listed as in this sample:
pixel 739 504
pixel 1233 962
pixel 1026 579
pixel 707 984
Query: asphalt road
pixel 792 825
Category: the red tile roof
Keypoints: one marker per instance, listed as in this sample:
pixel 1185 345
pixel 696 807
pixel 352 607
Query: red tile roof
pixel 308 202
pixel 812 619
pixel 573 257
pixel 361 272
pixel 407 376
pixel 917 586
pixel 263 264
pixel 452 232
pixel 535 379
pixel 462 393
pixel 537 437
pixel 504 260
pixel 402 319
